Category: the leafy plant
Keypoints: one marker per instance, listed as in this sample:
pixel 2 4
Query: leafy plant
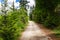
pixel 45 14
pixel 12 24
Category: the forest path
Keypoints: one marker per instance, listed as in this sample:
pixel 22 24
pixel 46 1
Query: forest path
pixel 34 32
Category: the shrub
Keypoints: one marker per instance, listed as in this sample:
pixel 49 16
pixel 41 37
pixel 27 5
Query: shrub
pixel 44 13
pixel 49 20
pixel 12 24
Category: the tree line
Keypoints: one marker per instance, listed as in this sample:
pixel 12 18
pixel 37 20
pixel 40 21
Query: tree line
pixel 45 13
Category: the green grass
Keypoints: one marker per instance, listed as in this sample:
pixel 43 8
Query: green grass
pixel 57 31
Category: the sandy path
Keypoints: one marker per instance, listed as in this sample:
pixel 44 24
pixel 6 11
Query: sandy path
pixel 33 32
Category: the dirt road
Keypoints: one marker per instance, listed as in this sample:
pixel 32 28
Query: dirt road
pixel 34 32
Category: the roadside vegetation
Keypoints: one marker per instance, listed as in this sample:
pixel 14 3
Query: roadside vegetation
pixel 13 24
pixel 47 13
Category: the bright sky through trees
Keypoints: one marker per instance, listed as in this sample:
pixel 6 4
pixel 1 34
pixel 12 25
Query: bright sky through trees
pixel 31 2
pixel 16 3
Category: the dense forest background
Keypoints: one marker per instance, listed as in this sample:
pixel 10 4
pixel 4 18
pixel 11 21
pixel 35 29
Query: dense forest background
pixel 46 12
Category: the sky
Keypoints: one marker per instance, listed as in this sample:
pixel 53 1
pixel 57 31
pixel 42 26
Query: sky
pixel 31 2
pixel 17 3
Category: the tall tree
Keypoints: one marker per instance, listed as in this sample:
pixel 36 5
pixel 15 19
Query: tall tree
pixel 13 6
pixel 23 3
pixel 5 6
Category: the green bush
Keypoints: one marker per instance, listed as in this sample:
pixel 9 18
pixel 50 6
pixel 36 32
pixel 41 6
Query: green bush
pixel 50 20
pixel 12 24
pixel 45 14
pixel 1 38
